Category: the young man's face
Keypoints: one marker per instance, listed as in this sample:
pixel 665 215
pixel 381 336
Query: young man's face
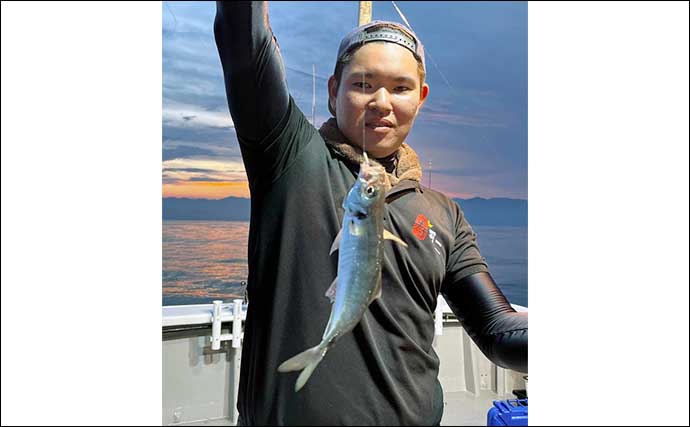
pixel 379 92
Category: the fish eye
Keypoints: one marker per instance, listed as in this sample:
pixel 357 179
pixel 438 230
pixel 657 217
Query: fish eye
pixel 371 190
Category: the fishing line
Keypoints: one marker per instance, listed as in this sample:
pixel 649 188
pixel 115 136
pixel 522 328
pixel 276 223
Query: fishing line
pixel 364 128
pixel 173 15
pixel 426 49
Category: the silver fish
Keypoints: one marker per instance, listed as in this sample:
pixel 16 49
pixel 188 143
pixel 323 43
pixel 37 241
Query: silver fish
pixel 360 245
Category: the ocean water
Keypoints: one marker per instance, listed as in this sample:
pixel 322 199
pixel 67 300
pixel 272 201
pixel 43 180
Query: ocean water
pixel 505 251
pixel 203 261
pixel 207 260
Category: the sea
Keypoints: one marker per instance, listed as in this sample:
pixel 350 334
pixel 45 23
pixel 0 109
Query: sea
pixel 207 260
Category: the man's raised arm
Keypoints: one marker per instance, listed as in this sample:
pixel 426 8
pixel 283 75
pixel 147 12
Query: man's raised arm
pixel 254 75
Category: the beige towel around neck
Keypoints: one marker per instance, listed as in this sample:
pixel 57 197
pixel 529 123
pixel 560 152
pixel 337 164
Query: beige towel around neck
pixel 408 166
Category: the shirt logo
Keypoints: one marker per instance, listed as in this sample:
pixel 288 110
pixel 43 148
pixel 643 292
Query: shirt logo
pixel 420 228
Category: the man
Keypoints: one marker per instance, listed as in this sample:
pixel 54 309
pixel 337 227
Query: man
pixel 385 372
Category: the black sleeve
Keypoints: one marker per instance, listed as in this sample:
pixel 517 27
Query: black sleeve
pixel 253 70
pixel 271 129
pixel 498 330
pixel 464 258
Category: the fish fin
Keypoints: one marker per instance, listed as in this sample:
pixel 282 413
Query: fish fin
pixel 377 292
pixel 305 361
pixel 336 242
pixel 330 292
pixel 390 236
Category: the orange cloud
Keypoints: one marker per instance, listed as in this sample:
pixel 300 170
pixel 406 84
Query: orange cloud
pixel 206 189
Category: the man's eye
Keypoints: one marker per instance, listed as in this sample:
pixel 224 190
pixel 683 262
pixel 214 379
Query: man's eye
pixel 362 84
pixel 402 89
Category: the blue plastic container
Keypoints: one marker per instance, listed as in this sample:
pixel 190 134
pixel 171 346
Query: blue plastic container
pixel 508 413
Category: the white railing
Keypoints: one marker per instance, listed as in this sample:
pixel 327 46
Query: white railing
pixel 199 314
pixel 237 316
pixel 236 312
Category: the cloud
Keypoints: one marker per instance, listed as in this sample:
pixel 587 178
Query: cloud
pixel 216 165
pixel 187 170
pixel 465 171
pixel 308 73
pixel 441 112
pixel 187 115
pixel 221 141
pixel 458 119
pixel 218 150
pixel 206 179
pixel 199 170
pixel 184 151
pixel 187 17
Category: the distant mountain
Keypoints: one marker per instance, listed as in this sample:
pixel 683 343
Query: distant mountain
pixel 496 212
pixel 228 209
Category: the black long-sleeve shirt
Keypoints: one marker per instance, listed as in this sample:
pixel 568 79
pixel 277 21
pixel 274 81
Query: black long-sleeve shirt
pixel 385 372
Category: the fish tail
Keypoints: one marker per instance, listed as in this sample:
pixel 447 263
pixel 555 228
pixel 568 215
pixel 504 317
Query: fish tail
pixel 305 361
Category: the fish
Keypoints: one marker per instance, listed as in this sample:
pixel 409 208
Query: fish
pixel 360 256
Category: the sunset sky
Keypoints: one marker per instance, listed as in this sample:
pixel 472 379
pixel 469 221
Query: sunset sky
pixel 473 127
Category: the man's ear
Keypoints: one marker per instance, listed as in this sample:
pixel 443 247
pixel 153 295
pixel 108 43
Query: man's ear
pixel 332 93
pixel 423 93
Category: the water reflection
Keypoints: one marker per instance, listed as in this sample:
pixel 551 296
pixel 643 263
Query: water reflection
pixel 203 261
pixel 207 260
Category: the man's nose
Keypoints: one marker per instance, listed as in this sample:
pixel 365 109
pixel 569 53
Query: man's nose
pixel 381 102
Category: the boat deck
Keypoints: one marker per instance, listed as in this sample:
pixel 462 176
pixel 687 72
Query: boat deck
pixel 200 384
pixel 461 409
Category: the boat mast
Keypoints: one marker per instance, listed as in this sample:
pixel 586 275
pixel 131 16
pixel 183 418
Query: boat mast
pixel 364 12
pixel 429 174
pixel 313 95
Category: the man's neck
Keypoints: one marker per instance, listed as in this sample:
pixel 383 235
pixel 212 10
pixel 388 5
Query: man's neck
pixel 390 162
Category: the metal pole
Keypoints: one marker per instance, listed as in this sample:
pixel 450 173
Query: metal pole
pixel 364 13
pixel 215 337
pixel 429 174
pixel 237 323
pixel 313 95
